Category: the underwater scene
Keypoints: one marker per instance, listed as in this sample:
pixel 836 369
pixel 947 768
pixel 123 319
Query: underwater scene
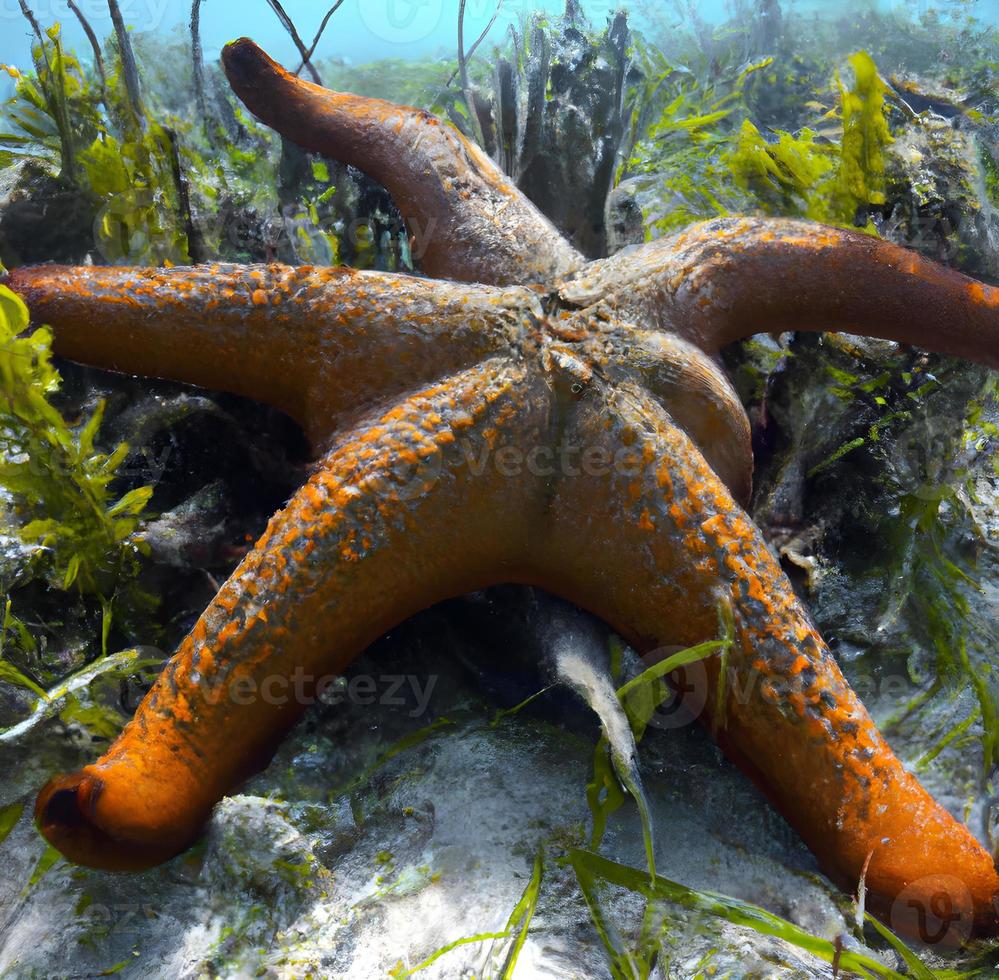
pixel 499 489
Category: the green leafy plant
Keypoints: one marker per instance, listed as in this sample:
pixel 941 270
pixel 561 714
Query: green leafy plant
pixel 682 155
pixel 705 157
pixel 59 484
pixel 513 936
pixel 53 113
pixel 103 145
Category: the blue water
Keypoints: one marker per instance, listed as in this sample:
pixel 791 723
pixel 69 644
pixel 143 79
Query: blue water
pixel 363 30
pixel 367 30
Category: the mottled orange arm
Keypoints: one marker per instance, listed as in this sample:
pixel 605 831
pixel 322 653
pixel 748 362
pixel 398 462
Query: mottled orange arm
pixel 681 377
pixel 722 280
pixel 320 344
pixel 654 548
pixel 469 222
pixel 395 518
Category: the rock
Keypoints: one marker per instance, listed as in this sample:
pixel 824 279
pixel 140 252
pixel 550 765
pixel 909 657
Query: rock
pixel 41 218
pixel 937 182
pixel 623 219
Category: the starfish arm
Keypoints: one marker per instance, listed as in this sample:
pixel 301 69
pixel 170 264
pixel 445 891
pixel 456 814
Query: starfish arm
pixel 468 220
pixel 320 344
pixel 726 279
pixel 657 549
pixel 397 517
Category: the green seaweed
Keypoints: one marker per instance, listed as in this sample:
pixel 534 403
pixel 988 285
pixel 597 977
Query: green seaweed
pixel 640 697
pixel 519 922
pixel 52 113
pixel 125 162
pixel 69 698
pixel 706 157
pixel 9 817
pixel 50 857
pixel 10 673
pixel 860 181
pixel 517 708
pixel 79 534
pixel 592 870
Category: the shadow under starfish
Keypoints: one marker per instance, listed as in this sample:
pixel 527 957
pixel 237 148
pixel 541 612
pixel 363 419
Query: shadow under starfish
pixel 521 417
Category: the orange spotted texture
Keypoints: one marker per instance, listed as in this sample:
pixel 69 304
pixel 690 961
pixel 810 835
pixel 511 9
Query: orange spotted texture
pixel 654 551
pixel 375 534
pixel 722 280
pixel 324 346
pixel 568 428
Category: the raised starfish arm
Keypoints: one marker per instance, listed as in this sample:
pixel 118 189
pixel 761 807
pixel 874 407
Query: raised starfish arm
pixel 397 517
pixel 655 549
pixel 468 221
pixel 726 279
pixel 320 344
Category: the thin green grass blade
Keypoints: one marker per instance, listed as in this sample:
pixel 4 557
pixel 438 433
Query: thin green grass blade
pixel 730 909
pixel 522 915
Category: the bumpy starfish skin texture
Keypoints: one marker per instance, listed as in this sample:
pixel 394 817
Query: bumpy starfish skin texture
pixel 527 418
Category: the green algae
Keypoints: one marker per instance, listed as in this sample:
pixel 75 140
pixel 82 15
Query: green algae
pixel 79 534
pixel 592 871
pixel 712 159
pixel 9 816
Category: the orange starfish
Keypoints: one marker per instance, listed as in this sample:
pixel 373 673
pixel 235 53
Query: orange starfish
pixel 521 417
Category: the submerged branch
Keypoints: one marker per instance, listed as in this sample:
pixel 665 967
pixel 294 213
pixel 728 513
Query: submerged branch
pixel 30 17
pixel 198 62
pixel 195 245
pixel 289 25
pixel 95 46
pixel 319 34
pixel 466 89
pixel 478 41
pixel 129 69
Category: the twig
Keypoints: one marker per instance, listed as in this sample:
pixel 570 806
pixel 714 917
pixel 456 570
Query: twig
pixel 56 106
pixel 95 44
pixel 319 34
pixel 195 244
pixel 129 69
pixel 35 26
pixel 288 24
pixel 198 61
pixel 479 40
pixel 466 89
